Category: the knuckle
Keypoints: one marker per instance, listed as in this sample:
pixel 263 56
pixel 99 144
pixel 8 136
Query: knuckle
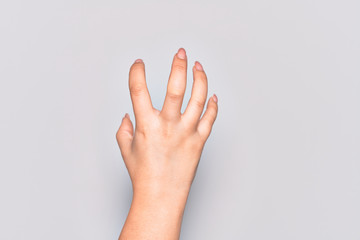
pixel 189 127
pixel 174 96
pixel 179 67
pixel 203 135
pixel 205 123
pixel 199 103
pixel 167 133
pixel 142 131
pixel 202 77
pixel 195 145
pixel 136 89
pixel 207 131
pixel 118 135
pixel 165 127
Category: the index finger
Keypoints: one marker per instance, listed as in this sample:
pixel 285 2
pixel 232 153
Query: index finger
pixel 139 92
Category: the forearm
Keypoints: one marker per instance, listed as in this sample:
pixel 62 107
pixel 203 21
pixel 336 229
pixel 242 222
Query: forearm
pixel 155 215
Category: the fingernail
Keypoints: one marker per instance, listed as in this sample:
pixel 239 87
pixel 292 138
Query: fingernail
pixel 138 60
pixel 181 53
pixel 127 116
pixel 198 66
pixel 214 97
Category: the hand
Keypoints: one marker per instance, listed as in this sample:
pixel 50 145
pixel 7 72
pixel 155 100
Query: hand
pixel 163 152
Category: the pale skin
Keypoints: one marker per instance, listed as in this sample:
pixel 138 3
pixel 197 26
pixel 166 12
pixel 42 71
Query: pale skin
pixel 163 152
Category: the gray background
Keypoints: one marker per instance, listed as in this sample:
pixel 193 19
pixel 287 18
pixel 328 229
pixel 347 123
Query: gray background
pixel 282 161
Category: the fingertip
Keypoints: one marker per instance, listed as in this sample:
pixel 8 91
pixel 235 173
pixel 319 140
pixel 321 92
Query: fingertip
pixel 214 98
pixel 126 125
pixel 198 66
pixel 137 67
pixel 181 53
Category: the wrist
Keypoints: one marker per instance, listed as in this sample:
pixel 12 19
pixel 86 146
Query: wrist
pixel 161 195
pixel 157 210
pixel 162 192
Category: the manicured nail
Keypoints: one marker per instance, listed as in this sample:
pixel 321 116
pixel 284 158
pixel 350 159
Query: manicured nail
pixel 214 97
pixel 181 53
pixel 198 66
pixel 138 60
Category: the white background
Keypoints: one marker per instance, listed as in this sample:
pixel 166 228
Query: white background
pixel 282 162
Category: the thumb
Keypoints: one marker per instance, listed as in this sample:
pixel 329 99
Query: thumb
pixel 124 135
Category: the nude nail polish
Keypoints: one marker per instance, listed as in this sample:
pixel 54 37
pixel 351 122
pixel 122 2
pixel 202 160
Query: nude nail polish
pixel 198 66
pixel 181 53
pixel 214 97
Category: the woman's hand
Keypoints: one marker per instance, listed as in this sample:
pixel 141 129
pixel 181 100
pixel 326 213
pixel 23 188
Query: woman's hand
pixel 163 152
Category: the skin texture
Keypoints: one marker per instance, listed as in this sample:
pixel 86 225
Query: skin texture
pixel 163 152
